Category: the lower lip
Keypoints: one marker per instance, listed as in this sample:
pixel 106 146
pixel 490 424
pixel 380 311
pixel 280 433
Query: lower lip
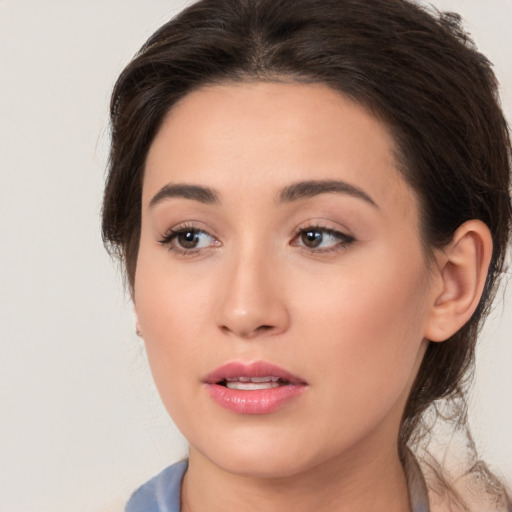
pixel 261 401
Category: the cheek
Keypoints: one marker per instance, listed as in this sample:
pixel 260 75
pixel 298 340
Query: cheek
pixel 172 312
pixel 171 303
pixel 368 331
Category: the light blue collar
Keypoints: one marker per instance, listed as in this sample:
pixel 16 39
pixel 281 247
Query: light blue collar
pixel 162 493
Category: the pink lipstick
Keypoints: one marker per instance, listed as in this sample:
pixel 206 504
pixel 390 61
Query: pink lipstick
pixel 256 388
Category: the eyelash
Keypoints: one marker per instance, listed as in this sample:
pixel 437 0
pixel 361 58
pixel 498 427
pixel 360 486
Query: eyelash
pixel 344 240
pixel 173 233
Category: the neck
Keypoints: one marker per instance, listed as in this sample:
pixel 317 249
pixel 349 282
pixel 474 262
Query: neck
pixel 354 484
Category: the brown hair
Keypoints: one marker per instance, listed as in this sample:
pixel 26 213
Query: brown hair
pixel 416 70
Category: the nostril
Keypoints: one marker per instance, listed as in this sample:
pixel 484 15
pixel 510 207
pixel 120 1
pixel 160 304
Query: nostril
pixel 264 328
pixel 248 333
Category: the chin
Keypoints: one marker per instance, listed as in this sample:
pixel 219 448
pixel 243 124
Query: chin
pixel 261 465
pixel 259 454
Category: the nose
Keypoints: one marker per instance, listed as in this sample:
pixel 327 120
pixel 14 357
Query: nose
pixel 252 302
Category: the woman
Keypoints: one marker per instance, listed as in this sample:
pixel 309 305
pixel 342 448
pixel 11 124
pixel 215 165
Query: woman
pixel 311 200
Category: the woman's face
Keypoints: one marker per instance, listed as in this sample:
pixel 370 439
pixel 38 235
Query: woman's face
pixel 281 287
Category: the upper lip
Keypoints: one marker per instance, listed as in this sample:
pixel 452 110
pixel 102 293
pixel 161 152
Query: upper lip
pixel 257 369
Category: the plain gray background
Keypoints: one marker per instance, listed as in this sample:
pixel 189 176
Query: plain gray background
pixel 80 423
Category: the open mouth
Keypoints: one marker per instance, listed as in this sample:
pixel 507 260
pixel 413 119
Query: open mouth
pixel 253 388
pixel 248 376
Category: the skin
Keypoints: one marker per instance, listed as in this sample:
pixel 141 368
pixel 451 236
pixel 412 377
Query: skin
pixel 350 317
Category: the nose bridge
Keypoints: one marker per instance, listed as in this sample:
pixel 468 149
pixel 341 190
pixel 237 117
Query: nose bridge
pixel 252 302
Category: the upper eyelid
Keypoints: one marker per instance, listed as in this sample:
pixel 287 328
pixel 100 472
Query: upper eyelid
pixel 324 225
pixel 175 231
pixel 188 225
pixel 315 227
pixel 329 231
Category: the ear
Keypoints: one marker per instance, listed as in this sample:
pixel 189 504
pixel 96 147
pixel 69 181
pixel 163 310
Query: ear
pixel 461 273
pixel 138 330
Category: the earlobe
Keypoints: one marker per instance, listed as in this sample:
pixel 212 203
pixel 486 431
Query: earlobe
pixel 138 330
pixel 462 268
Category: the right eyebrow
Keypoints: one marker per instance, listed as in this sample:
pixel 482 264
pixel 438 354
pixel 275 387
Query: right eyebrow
pixel 194 192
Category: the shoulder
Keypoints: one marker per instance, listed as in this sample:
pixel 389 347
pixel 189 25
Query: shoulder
pixel 161 493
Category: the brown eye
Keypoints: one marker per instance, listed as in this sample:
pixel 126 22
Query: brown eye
pixel 311 238
pixel 322 239
pixel 188 239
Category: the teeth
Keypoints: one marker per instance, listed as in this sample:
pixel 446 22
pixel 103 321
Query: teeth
pixel 244 383
pixel 252 385
pixel 264 379
pixel 252 379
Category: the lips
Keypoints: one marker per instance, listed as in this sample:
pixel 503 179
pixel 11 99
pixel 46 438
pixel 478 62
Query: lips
pixel 256 388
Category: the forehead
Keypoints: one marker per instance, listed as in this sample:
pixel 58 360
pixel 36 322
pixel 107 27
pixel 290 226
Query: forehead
pixel 258 137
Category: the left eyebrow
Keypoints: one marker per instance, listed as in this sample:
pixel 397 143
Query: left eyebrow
pixel 307 189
